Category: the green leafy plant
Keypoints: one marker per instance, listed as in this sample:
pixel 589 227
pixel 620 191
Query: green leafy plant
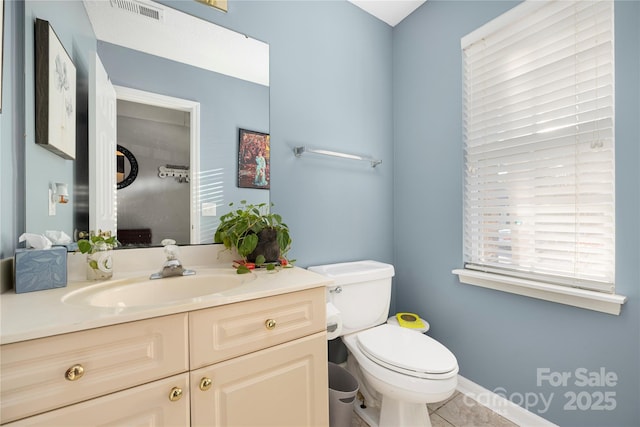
pixel 101 242
pixel 251 231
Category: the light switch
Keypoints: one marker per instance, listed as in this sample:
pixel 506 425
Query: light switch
pixel 208 209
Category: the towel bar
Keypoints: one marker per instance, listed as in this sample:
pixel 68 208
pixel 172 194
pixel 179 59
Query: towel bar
pixel 298 151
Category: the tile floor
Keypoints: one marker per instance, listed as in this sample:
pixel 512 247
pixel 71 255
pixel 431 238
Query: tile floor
pixel 457 411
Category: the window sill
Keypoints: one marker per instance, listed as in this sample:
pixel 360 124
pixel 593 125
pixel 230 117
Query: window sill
pixel 591 300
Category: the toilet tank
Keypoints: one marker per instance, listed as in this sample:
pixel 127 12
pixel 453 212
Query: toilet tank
pixel 361 292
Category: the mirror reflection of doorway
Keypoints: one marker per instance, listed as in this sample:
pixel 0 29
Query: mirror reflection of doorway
pixel 151 208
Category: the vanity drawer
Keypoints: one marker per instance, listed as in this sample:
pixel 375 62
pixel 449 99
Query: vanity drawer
pixel 221 333
pixel 145 405
pixel 44 374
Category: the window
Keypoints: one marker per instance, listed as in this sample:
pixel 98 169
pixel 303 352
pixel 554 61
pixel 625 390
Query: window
pixel 538 121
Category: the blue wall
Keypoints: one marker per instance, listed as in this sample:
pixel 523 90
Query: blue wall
pixel 330 87
pixel 335 94
pixel 71 24
pixel 17 146
pixel 502 339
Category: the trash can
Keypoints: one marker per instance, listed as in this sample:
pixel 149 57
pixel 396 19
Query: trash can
pixel 343 388
pixel 337 351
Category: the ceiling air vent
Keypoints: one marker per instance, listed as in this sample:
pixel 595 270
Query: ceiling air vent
pixel 138 8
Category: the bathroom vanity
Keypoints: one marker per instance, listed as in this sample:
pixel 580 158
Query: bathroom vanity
pixel 254 355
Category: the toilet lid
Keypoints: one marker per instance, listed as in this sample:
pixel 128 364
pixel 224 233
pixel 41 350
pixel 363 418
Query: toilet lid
pixel 407 351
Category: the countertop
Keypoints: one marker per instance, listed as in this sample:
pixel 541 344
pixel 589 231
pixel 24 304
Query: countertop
pixel 44 313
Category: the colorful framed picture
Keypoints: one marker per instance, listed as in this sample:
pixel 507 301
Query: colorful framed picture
pixel 218 4
pixel 55 93
pixel 253 160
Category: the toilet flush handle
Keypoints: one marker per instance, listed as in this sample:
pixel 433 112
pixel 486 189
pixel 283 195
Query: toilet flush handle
pixel 336 290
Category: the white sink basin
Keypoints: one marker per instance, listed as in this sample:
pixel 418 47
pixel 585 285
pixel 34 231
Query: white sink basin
pixel 141 291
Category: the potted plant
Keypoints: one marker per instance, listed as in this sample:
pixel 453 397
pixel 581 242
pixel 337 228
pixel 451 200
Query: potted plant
pixel 257 234
pixel 99 249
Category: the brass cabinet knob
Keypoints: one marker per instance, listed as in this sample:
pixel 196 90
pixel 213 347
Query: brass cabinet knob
pixel 205 383
pixel 270 324
pixel 175 394
pixel 74 373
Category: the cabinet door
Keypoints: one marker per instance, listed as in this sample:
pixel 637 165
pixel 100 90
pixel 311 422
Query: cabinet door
pixel 285 385
pixel 147 405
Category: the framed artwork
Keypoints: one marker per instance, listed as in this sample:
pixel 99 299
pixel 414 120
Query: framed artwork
pixel 253 160
pixel 55 93
pixel 218 4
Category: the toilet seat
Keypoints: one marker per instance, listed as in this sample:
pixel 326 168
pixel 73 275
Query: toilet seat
pixel 407 352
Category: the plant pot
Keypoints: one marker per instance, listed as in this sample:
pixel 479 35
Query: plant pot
pixel 100 265
pixel 267 246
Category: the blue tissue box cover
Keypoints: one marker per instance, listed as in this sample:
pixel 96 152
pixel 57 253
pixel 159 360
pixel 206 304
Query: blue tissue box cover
pixel 39 269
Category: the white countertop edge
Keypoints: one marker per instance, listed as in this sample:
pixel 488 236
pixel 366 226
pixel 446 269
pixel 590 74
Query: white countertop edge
pixel 40 314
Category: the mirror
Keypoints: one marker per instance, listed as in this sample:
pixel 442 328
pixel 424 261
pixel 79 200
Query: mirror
pixel 141 52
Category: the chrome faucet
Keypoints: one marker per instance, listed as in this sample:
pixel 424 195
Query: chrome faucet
pixel 172 266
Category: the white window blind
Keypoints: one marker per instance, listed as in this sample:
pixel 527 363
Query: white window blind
pixel 539 144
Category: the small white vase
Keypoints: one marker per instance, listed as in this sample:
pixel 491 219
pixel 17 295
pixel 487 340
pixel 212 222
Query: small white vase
pixel 100 265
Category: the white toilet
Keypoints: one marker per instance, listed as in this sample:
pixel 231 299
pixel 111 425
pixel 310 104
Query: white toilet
pixel 399 370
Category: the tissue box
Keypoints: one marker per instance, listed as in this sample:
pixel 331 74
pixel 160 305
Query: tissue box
pixel 39 269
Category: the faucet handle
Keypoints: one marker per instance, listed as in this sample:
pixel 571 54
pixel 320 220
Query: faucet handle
pixel 172 266
pixel 170 249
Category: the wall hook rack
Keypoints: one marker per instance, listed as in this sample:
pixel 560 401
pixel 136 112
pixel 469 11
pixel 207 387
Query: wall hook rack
pixel 299 151
pixel 180 173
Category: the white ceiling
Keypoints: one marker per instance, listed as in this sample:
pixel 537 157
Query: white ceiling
pixel 389 11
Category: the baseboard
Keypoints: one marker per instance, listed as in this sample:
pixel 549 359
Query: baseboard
pixel 509 410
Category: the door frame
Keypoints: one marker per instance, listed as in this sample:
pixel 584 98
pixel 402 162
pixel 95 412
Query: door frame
pixel 193 108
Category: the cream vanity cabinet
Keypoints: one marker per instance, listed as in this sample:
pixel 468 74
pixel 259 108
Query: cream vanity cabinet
pixel 255 362
pixel 260 362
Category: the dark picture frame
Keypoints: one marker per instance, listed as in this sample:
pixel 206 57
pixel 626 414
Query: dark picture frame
pixel 254 153
pixel 55 93
pixel 126 167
